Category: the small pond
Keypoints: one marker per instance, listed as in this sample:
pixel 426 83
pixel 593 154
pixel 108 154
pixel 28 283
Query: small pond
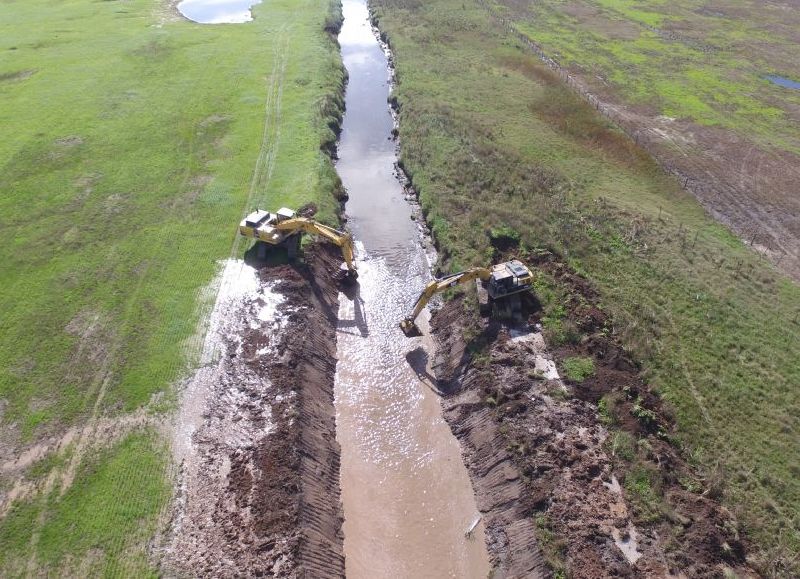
pixel 783 81
pixel 217 11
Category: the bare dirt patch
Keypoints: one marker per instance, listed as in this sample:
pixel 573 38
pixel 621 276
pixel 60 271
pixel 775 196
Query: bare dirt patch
pixel 750 189
pixel 17 75
pixel 594 488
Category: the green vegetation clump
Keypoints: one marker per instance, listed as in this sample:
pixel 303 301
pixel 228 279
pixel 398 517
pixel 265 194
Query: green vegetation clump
pixel 553 548
pixel 622 445
pixel 491 138
pixel 578 368
pixel 641 485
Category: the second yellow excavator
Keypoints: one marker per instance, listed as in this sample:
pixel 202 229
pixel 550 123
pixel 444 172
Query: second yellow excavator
pixel 284 228
pixel 496 286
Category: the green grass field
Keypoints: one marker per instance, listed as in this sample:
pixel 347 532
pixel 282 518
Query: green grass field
pixel 490 137
pixel 133 142
pixel 703 61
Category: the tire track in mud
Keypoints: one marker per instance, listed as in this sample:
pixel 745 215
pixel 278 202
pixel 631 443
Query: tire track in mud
pixel 265 162
pixel 270 136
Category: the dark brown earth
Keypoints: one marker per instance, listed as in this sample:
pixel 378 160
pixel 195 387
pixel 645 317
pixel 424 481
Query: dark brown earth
pixel 297 494
pixel 553 477
pixel 276 512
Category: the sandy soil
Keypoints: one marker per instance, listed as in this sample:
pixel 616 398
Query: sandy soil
pixel 259 477
pixel 544 465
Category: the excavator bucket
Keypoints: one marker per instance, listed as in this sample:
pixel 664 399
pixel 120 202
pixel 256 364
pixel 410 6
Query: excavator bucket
pixel 410 329
pixel 346 275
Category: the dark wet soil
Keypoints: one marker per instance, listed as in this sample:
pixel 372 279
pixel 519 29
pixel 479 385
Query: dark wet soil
pixel 275 510
pixel 558 489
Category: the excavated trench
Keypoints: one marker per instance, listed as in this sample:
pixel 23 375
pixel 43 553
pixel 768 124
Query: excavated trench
pixel 260 461
pixel 261 464
pixel 407 498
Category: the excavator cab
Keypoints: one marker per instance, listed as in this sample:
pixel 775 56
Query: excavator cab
pixel 284 228
pixel 509 278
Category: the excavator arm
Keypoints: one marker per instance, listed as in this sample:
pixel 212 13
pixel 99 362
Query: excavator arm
pixel 436 286
pixel 343 239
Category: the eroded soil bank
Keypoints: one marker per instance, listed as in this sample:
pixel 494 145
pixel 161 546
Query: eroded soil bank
pixel 259 463
pixel 599 484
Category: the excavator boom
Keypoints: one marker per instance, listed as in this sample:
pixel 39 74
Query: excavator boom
pixel 343 239
pixel 436 286
pixel 501 281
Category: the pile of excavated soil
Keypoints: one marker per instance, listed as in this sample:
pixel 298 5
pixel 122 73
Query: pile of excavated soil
pixel 549 479
pixel 261 498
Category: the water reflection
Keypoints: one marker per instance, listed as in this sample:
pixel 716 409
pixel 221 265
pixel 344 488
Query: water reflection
pixel 784 82
pixel 218 11
pixel 379 215
pixel 406 494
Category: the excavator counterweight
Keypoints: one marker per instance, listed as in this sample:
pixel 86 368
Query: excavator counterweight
pixel 498 283
pixel 284 227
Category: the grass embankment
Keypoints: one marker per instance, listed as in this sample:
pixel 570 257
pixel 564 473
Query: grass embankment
pixel 133 141
pixel 685 59
pixel 490 137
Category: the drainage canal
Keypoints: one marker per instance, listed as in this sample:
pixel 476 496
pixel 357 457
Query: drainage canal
pixel 408 502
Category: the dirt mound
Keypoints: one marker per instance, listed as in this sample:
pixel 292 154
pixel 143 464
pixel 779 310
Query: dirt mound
pixel 262 496
pixel 586 468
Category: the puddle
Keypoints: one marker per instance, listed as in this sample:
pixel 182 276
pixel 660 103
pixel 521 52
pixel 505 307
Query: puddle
pixel 408 503
pixel 218 11
pixel 534 340
pixel 627 543
pixel 783 81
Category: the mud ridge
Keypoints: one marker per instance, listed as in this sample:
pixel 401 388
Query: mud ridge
pixel 320 521
pixel 564 487
pixel 259 487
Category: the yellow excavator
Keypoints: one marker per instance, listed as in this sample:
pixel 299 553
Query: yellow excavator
pixel 284 228
pixel 498 289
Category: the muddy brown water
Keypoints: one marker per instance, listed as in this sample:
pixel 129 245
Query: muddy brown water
pixel 408 502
